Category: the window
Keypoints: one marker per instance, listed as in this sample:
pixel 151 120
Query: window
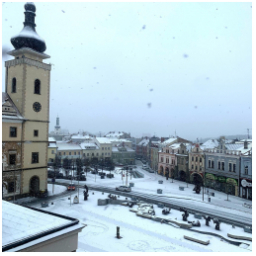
pixel 97 154
pixel 162 159
pixel 192 158
pixel 102 148
pixel 35 133
pixel 182 151
pixel 196 167
pixel 196 159
pixel 103 154
pixel 192 166
pixel 11 187
pixel 209 163
pixel 83 154
pixel 212 164
pixel 52 151
pixel 13 131
pixel 59 153
pixel 182 161
pixel 88 154
pixel 37 86
pixel 223 166
pixel 234 167
pixel 246 170
pixel 106 154
pixel 75 153
pixel 172 161
pixel 14 85
pixel 200 168
pixel 69 153
pixel 109 154
pixel 64 153
pixel 12 159
pixel 196 149
pixel 92 154
pixel 167 160
pixel 218 165
pixel 35 158
pixel 200 160
pixel 79 153
pixel 229 167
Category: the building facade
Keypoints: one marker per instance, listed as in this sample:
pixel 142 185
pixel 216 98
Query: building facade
pixel 196 164
pixel 28 86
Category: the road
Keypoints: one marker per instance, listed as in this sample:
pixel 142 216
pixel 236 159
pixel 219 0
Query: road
pixel 191 206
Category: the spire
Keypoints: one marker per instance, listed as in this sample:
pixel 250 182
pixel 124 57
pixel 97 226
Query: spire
pixel 28 36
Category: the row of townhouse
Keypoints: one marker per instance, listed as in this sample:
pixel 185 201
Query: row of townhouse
pixel 224 167
pixel 119 150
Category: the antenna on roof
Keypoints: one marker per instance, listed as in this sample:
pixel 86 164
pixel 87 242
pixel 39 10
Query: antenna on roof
pixel 248 133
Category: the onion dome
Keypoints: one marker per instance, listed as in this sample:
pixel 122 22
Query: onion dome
pixel 28 36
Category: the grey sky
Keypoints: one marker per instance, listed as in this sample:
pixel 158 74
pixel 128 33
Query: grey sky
pixel 145 68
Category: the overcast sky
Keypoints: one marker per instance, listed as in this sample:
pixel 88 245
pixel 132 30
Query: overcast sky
pixel 145 68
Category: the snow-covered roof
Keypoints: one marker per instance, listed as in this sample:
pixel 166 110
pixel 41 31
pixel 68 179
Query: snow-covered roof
pixel 19 223
pixel 80 136
pixel 144 142
pixel 247 151
pixel 67 146
pixel 174 146
pixel 103 140
pixel 51 139
pixel 212 143
pixel 9 109
pixel 170 140
pixel 85 145
pixel 232 146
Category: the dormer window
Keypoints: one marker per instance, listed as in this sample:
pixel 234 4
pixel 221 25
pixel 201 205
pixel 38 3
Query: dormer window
pixel 37 86
pixel 14 85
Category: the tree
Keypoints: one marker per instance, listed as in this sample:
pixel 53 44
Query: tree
pixel 86 163
pixel 79 166
pixel 67 165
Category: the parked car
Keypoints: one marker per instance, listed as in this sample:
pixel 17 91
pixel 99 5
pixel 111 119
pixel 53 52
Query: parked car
pixel 123 188
pixel 102 173
pixel 81 177
pixel 94 172
pixel 71 187
pixel 110 175
pixel 151 171
pixel 59 175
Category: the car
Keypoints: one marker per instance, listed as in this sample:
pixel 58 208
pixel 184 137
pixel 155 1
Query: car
pixel 102 173
pixel 71 187
pixel 123 188
pixel 59 175
pixel 94 172
pixel 151 171
pixel 110 175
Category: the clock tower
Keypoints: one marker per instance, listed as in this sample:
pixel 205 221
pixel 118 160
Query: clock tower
pixel 28 85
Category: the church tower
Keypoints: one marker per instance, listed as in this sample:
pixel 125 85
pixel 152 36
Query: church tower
pixel 28 85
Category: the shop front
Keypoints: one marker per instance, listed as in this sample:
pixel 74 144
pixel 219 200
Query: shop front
pixel 221 183
pixel 246 188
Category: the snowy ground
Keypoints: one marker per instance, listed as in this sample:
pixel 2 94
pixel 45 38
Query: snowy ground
pixel 138 234
pixel 142 234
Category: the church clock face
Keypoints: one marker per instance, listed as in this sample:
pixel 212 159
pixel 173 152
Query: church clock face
pixel 37 106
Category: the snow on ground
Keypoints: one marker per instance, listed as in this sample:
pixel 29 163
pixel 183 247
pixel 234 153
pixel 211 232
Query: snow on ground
pixel 138 234
pixel 142 234
pixel 149 184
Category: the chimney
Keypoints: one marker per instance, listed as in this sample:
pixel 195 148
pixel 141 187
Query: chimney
pixel 245 144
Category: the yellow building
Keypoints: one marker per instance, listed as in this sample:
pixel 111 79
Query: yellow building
pixel 27 88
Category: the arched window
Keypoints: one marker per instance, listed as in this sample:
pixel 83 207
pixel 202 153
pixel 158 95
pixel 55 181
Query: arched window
pixel 14 85
pixel 37 86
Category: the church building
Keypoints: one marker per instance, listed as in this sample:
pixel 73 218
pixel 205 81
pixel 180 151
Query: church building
pixel 25 116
